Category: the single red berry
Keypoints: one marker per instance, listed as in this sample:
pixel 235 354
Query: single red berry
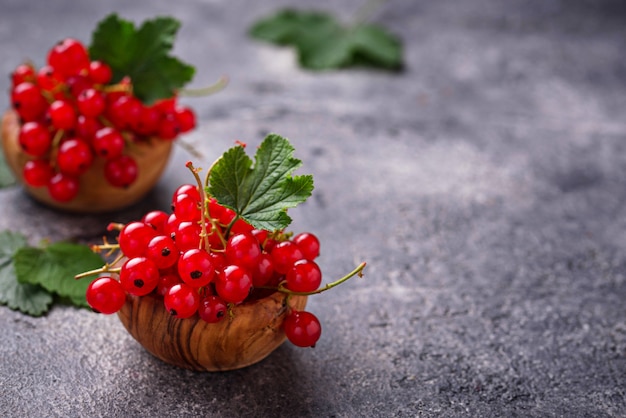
pixel 308 244
pixel 195 267
pixel 187 235
pixel 99 72
pixel 162 251
pixel 157 219
pixel 166 281
pixel 121 171
pixel 212 309
pixel 48 79
pixel 148 121
pixel 23 72
pixel 169 127
pixel 69 57
pixel 28 102
pixel 182 301
pixel 284 255
pixel 63 187
pixel 188 189
pixel 86 127
pixel 304 276
pixel 187 208
pixel 134 238
pixel 37 173
pixel 77 84
pixel 186 118
pixel 302 328
pixel 243 250
pixel 74 157
pixel 263 271
pixel 108 143
pixel 34 138
pixel 62 115
pixel 90 102
pixel 233 284
pixel 139 276
pixel 105 295
pixel 124 111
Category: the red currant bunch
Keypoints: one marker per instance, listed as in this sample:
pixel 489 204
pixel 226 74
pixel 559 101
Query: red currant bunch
pixel 72 114
pixel 202 259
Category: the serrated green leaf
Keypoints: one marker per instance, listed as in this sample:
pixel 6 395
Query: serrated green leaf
pixel 142 55
pixel 27 298
pixel 55 266
pixel 6 177
pixel 323 43
pixel 260 194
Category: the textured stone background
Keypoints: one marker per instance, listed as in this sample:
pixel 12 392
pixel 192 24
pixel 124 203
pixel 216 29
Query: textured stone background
pixel 484 186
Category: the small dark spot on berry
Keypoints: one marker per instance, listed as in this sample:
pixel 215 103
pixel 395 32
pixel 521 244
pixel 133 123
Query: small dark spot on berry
pixel 48 73
pixel 165 252
pixel 16 105
pixel 173 207
pixel 104 152
pixel 196 274
pixel 173 236
pixel 138 283
pixel 173 312
pixel 220 314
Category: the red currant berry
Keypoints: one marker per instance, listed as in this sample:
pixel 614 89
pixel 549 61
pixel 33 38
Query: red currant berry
pixel 28 102
pixel 62 115
pixel 186 118
pixel 187 208
pixel 188 189
pixel 134 238
pixel 284 255
pixel 34 138
pixel 171 226
pixel 148 121
pixel 90 102
pixel 69 57
pixel 243 250
pixel 77 84
pixel 162 250
pixel 308 244
pixel 23 72
pixel 187 235
pixel 105 295
pixel 169 127
pixel 157 219
pixel 124 111
pixel 241 227
pixel 212 309
pixel 195 267
pixel 233 284
pixel 182 301
pixel 139 276
pixel 74 157
pixel 121 171
pixel 37 173
pixel 86 127
pixel 304 276
pixel 48 79
pixel 263 271
pixel 63 188
pixel 99 72
pixel 108 143
pixel 302 328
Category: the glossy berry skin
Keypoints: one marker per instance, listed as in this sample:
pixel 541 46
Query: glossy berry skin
pixel 69 57
pixel 105 295
pixel 263 271
pixel 304 276
pixel 63 187
pixel 108 143
pixel 35 139
pixel 37 173
pixel 233 284
pixel 121 171
pixel 243 250
pixel 74 157
pixel 284 255
pixel 48 79
pixel 186 208
pixel 187 235
pixel 166 281
pixel 182 301
pixel 139 276
pixel 186 118
pixel 99 72
pixel 157 219
pixel 134 238
pixel 90 102
pixel 22 72
pixel 195 268
pixel 212 309
pixel 162 251
pixel 302 328
pixel 62 115
pixel 28 102
pixel 188 189
pixel 308 243
pixel 86 127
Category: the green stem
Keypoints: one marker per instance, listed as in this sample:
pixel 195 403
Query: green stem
pixel 104 269
pixel 357 271
pixel 205 91
pixel 203 202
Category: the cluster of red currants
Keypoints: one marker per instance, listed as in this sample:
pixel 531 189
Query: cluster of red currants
pixel 200 259
pixel 71 114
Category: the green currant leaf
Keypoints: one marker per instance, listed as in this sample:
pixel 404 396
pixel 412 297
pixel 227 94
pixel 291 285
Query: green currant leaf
pixel 55 266
pixel 6 177
pixel 27 298
pixel 260 194
pixel 323 43
pixel 142 54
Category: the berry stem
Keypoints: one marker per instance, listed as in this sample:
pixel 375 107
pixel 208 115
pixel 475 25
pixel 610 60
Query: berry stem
pixel 205 91
pixel 104 269
pixel 203 200
pixel 357 271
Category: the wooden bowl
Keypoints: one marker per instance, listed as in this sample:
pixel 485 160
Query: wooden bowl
pixel 250 335
pixel 96 194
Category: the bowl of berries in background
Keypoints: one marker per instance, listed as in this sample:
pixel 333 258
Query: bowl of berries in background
pixel 92 129
pixel 218 283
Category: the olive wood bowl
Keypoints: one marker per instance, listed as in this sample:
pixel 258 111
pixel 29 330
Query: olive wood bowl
pixel 244 338
pixel 95 194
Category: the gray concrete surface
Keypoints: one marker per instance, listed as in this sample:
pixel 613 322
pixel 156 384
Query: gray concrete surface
pixel 484 185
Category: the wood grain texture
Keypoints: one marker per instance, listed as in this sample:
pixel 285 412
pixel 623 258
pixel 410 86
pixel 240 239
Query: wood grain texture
pixel 96 194
pixel 250 335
